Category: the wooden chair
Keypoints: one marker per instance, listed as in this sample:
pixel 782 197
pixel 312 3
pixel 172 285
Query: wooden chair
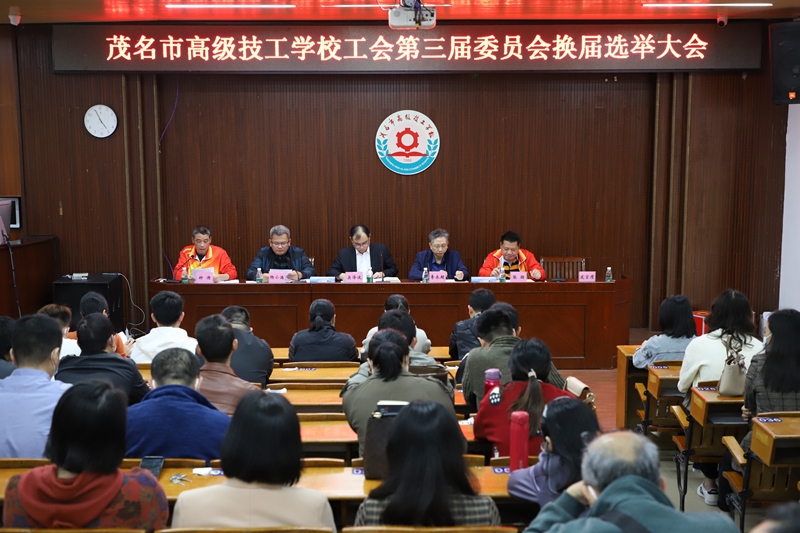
pixel 282 529
pixel 323 364
pixel 657 401
pixel 169 462
pixel 215 463
pixel 759 482
pixel 320 417
pixel 322 462
pixel 28 530
pixel 23 463
pixel 701 444
pixel 408 529
pixel 506 461
pixel 563 267
pixel 469 458
pixel 474 459
pixel 306 386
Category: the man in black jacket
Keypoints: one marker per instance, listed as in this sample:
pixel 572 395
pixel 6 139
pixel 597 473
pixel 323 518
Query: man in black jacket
pixel 280 254
pixel 363 255
pixel 252 360
pixel 464 336
pixel 97 340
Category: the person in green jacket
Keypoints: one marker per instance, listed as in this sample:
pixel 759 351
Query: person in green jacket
pixel 623 492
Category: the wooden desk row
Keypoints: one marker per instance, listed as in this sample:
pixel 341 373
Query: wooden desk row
pixel 581 323
pixel 338 484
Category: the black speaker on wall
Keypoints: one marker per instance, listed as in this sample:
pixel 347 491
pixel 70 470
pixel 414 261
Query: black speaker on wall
pixel 784 54
pixel 69 292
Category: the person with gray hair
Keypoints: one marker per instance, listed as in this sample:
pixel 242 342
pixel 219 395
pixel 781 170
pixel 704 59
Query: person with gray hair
pixel 439 257
pixel 280 254
pixel 623 492
pixel 174 420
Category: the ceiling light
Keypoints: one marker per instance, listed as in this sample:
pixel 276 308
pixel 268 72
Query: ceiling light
pixel 709 5
pixel 227 6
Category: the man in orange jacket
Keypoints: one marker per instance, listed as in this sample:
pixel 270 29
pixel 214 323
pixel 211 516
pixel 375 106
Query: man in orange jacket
pixel 201 254
pixel 510 257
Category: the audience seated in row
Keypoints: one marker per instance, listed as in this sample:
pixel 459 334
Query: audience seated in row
pixel 678 329
pixel 399 302
pixel 465 334
pixel 63 315
pixel 389 380
pixel 780 519
pixel 621 490
pixel 732 329
pixel 174 420
pixel 321 342
pixel 252 360
pixel 525 392
pixel 96 338
pixel 261 456
pixel 35 343
pixel 402 322
pixel 218 382
pixel 94 302
pixel 167 313
pixel 498 332
pixel 772 383
pixel 429 484
pixel 6 327
pixel 84 487
pixel 566 425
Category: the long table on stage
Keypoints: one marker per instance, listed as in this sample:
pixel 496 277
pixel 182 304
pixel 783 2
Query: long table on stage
pixel 582 323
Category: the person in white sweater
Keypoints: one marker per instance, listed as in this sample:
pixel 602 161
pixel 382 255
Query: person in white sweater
pixel 731 324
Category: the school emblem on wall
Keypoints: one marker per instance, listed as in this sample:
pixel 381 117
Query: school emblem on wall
pixel 407 142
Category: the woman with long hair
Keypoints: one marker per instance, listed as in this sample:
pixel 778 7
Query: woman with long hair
pixel 321 341
pixel 732 329
pixel 261 456
pixel 527 391
pixel 428 482
pixel 567 424
pixel 389 380
pixel 677 331
pixel 84 488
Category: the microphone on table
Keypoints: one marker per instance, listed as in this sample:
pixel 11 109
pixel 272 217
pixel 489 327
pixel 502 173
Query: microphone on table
pixel 563 270
pixel 172 270
pixel 382 272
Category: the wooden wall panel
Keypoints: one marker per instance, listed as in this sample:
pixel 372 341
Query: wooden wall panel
pixel 563 160
pixel 75 184
pixel 10 164
pixel 675 180
pixel 735 175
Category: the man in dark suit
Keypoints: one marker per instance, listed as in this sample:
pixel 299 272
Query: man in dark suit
pixel 252 360
pixel 363 255
pixel 280 254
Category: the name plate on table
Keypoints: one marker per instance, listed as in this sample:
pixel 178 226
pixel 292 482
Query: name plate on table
pixel 277 275
pixel 584 276
pixel 440 276
pixel 518 277
pixel 354 277
pixel 484 279
pixel 203 275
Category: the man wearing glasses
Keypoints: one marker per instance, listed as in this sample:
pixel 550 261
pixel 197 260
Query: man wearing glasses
pixel 280 254
pixel 362 256
pixel 439 257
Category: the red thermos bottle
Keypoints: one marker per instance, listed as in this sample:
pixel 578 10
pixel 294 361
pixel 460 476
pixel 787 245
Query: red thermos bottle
pixel 491 380
pixel 520 426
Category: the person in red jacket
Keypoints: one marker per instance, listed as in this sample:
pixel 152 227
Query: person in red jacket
pixel 201 254
pixel 526 392
pixel 510 257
